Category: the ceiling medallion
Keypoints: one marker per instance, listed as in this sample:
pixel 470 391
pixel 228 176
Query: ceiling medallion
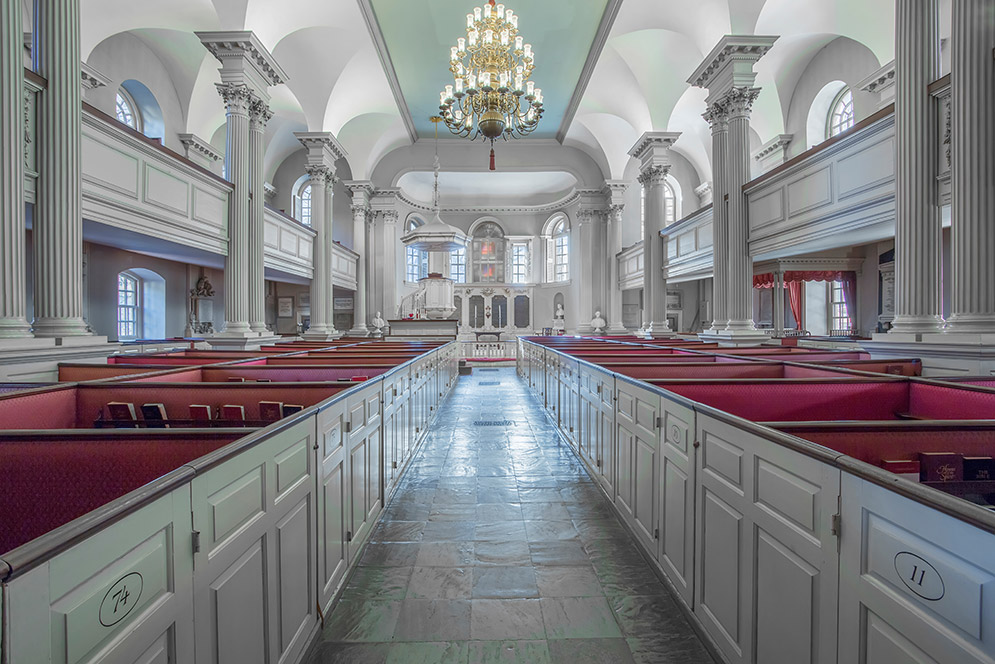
pixel 492 96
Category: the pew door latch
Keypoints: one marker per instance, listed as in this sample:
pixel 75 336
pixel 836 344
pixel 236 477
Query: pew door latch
pixel 195 541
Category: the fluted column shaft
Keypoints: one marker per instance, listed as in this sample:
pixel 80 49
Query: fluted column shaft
pixel 359 215
pixel 718 118
pixel 654 283
pixel 917 220
pixel 321 280
pixel 238 100
pixel 13 299
pixel 972 176
pixel 390 262
pixel 58 217
pixel 259 115
pixel 614 245
pixel 739 291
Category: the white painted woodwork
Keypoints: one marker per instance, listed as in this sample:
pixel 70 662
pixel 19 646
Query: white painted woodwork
pixel 630 267
pixel 637 442
pixel 363 470
pixel 766 562
pixel 919 583
pixel 289 245
pixel 678 475
pixel 333 489
pixel 689 248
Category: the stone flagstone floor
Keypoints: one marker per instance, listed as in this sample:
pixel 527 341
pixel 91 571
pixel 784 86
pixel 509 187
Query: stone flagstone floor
pixel 498 548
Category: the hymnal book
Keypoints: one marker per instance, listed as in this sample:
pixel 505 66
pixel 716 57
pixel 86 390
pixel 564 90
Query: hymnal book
pixel 270 411
pixel 263 380
pixel 200 412
pixel 979 468
pixel 907 468
pixel 154 414
pixel 359 378
pixel 291 408
pixel 122 413
pixel 232 412
pixel 235 379
pixel 941 467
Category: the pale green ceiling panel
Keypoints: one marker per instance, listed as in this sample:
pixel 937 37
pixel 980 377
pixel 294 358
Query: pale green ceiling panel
pixel 418 37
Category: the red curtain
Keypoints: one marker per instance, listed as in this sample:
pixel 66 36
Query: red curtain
pixel 793 280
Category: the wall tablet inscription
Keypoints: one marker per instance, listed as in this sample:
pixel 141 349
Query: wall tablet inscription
pixel 120 599
pixel 919 576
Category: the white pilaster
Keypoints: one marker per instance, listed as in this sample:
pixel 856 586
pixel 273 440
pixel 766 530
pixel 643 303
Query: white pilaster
pixel 653 152
pixel 917 218
pixel 972 143
pixel 259 115
pixel 58 221
pixel 361 193
pixel 717 117
pixel 614 192
pixel 322 153
pixel 13 298
pixel 584 259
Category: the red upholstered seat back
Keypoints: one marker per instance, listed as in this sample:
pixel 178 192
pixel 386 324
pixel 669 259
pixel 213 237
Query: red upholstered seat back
pixel 291 373
pixel 874 445
pixel 949 403
pixel 787 402
pixel 48 483
pixel 738 370
pixel 74 373
pixel 48 409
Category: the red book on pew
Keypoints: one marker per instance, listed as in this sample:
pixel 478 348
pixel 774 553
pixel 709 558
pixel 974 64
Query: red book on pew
pixel 233 412
pixel 200 412
pixel 154 415
pixel 358 379
pixel 907 468
pixel 291 408
pixel 122 413
pixel 270 411
pixel 941 467
pixel 978 469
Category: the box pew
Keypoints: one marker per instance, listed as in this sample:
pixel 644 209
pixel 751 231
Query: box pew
pixel 897 367
pixel 79 372
pixel 232 556
pixel 85 406
pixel 721 370
pixel 184 361
pixel 777 354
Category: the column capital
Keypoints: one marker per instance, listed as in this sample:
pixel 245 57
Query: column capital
pixel 586 215
pixel 244 60
pixel 389 216
pixel 614 192
pixel 739 101
pixel 704 192
pixel 653 176
pixel 323 149
pixel 361 190
pixel 319 174
pixel 237 97
pixel 730 63
pixel 717 115
pixel 259 115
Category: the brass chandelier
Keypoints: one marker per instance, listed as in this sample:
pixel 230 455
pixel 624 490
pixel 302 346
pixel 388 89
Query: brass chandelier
pixel 492 95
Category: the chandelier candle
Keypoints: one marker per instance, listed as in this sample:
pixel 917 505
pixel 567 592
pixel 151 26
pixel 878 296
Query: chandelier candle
pixel 492 95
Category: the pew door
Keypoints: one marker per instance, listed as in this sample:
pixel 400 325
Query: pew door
pixel 677 482
pixel 606 453
pixel 333 554
pixel 363 433
pixel 637 435
pixel 590 417
pixel 766 559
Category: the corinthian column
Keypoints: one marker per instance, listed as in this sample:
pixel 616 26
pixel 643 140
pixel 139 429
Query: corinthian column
pixel 238 99
pixel 58 214
pixel 259 115
pixel 361 192
pixel 322 328
pixel 614 191
pixel 972 143
pixel 583 248
pixel 717 117
pixel 739 102
pixel 653 152
pixel 917 219
pixel 13 301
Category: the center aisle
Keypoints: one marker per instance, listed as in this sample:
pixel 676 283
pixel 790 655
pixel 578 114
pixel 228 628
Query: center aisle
pixel 497 547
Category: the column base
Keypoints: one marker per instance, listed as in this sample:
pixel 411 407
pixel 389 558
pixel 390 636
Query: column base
pixel 905 325
pixel 15 328
pixel 585 330
pixel 61 327
pixel 657 330
pixel 358 331
pixel 969 324
pixel 942 354
pixel 735 337
pixel 233 342
pixel 321 334
pixel 25 343
pixel 259 328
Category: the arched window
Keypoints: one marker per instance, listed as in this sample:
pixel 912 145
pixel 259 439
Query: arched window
pixel 126 109
pixel 557 249
pixel 128 305
pixel 840 113
pixel 488 253
pixel 415 260
pixel 305 205
pixel 669 207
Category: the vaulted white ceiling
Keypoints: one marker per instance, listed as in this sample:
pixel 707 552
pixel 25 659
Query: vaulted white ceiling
pixel 338 81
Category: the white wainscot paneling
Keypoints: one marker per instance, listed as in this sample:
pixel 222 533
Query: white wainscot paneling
pixel 287 244
pixel 811 191
pixel 689 244
pixel 766 209
pixel 133 184
pixel 867 168
pixel 344 263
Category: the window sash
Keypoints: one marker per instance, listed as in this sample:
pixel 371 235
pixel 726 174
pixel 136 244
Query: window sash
pixel 127 309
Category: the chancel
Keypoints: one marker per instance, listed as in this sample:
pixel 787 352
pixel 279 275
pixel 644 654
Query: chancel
pixel 423 331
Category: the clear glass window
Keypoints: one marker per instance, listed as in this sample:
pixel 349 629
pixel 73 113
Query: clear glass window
pixel 519 263
pixel 125 111
pixel 305 215
pixel 838 310
pixel 416 264
pixel 457 266
pixel 127 306
pixel 841 114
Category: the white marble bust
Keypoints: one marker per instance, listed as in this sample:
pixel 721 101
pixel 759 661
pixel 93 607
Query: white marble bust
pixel 558 323
pixel 598 323
pixel 378 324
